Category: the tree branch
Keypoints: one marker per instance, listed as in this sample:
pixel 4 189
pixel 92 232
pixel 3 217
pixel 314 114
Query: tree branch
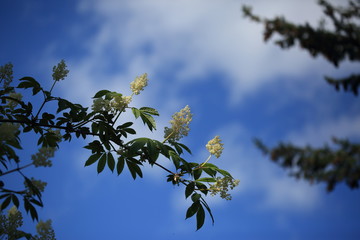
pixel 16 169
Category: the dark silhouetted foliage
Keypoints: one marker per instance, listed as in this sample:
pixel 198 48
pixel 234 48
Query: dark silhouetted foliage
pixel 341 162
pixel 341 43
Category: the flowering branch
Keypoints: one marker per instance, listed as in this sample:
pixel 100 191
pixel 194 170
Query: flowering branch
pixel 109 148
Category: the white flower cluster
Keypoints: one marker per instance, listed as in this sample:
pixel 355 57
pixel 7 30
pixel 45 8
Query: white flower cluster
pixel 40 185
pixel 179 124
pixel 60 72
pixel 222 186
pixel 120 102
pixel 100 104
pixel 117 103
pixel 12 104
pixel 13 211
pixel 45 230
pixel 42 157
pixel 215 147
pixel 139 83
pixel 8 131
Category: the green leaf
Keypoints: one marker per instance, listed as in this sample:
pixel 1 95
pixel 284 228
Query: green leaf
pixel 164 149
pixel 200 218
pixel 197 173
pixel 29 82
pixel 126 125
pixel 185 147
pixel 136 112
pixel 32 187
pixel 33 212
pixel 153 150
pixel 25 85
pixel 148 120
pixel 130 130
pixel 189 189
pixel 5 195
pixel 195 197
pixel 175 158
pixel 192 209
pixel 209 211
pixel 29 79
pixel 110 161
pixel 178 148
pixel 209 171
pixel 120 165
pixel 6 202
pixel 95 147
pixel 101 93
pixel 206 179
pixel 101 163
pixel 29 207
pixel 202 187
pixel 224 173
pixel 149 110
pixel 137 144
pixel 94 127
pixel 36 202
pixel 134 169
pixel 93 158
pixel 63 104
pixel 15 200
pixel 15 143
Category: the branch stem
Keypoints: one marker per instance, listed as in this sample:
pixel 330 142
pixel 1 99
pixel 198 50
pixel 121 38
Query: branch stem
pixel 16 169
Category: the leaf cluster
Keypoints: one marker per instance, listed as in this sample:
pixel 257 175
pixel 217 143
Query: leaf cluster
pixel 330 165
pixel 340 162
pixel 336 45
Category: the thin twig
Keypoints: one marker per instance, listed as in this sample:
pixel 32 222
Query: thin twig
pixel 16 169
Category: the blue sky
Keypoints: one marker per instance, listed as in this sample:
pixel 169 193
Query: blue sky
pixel 206 55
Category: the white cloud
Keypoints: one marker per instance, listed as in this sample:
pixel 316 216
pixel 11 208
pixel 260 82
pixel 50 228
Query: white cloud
pixel 191 39
pixel 318 134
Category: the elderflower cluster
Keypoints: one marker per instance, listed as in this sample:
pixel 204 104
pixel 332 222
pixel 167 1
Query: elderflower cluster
pixel 138 84
pixel 117 103
pixel 13 211
pixel 40 185
pixel 120 102
pixel 215 147
pixel 11 103
pixel 179 124
pixel 42 157
pixel 222 186
pixel 8 131
pixel 45 230
pixel 10 223
pixel 60 71
pixel 6 74
pixel 100 104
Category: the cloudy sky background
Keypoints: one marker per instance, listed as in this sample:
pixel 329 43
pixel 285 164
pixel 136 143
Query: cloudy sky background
pixel 206 55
